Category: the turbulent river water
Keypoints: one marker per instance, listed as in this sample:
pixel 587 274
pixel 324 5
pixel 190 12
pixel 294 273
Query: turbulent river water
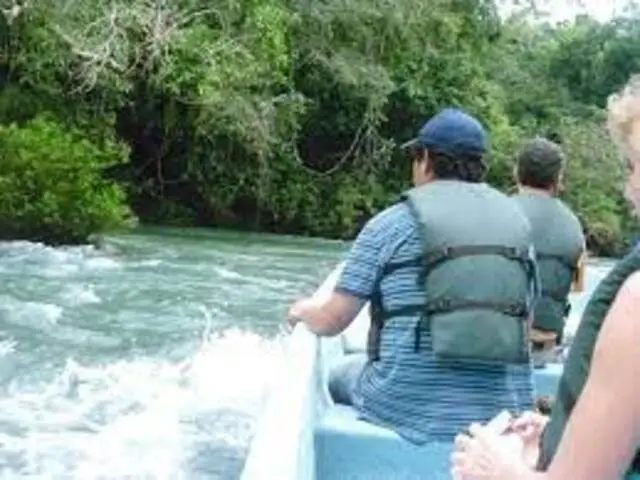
pixel 150 357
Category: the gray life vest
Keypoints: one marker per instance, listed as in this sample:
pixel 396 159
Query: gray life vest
pixel 576 367
pixel 477 274
pixel 559 242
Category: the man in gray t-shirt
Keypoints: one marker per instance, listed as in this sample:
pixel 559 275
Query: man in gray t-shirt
pixel 557 236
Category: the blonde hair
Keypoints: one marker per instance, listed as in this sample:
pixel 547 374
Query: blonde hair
pixel 623 111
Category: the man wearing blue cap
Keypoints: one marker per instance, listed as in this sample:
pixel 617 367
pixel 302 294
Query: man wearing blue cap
pixel 449 275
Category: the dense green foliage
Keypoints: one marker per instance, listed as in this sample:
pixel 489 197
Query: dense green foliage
pixel 282 115
pixel 65 195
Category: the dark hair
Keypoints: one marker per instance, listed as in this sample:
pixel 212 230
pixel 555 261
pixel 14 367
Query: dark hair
pixel 554 136
pixel 445 166
pixel 540 163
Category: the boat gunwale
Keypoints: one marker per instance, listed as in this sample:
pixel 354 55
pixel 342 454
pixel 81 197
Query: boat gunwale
pixel 294 404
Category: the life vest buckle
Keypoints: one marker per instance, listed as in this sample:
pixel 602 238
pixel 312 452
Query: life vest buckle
pixel 513 253
pixel 517 310
pixel 438 306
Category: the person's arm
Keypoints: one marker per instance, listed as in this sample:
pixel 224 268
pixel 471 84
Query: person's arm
pixel 358 279
pixel 327 318
pixel 579 275
pixel 603 432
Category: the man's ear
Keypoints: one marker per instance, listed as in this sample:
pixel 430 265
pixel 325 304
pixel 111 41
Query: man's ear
pixel 559 186
pixel 426 161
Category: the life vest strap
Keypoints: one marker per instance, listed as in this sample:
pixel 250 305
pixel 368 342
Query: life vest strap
pixel 558 258
pixel 432 258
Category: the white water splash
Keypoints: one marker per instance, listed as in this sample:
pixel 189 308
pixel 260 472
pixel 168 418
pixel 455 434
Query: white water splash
pixel 38 259
pixel 6 347
pixel 79 294
pixel 23 313
pixel 142 418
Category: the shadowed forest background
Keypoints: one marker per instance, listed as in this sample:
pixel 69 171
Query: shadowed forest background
pixel 285 116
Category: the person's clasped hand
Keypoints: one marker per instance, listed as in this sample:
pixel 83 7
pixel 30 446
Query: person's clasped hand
pixel 484 455
pixel 529 427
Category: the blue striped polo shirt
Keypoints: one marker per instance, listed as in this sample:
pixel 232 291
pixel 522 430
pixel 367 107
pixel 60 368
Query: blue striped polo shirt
pixel 408 390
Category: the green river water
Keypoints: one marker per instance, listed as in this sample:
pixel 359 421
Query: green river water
pixel 149 358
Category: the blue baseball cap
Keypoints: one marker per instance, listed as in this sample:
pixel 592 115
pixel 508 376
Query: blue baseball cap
pixel 452 131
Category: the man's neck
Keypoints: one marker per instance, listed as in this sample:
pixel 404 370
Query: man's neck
pixel 549 192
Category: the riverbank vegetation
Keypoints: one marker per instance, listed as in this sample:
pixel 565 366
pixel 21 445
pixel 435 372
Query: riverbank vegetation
pixel 285 116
